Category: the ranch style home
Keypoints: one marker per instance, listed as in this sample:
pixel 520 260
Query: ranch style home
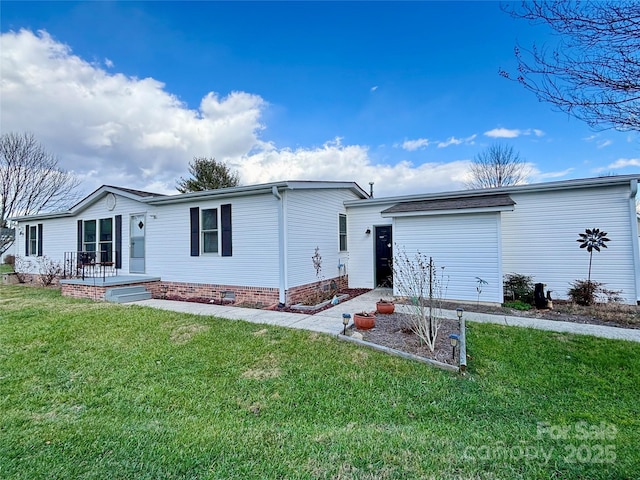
pixel 277 242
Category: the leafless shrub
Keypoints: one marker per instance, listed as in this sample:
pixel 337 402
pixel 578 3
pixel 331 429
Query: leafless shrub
pixel 417 279
pixel 22 266
pixel 49 270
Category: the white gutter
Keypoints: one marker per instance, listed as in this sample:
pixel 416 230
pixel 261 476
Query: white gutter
pixel 634 235
pixel 282 259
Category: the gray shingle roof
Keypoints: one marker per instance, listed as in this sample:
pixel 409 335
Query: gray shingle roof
pixel 481 201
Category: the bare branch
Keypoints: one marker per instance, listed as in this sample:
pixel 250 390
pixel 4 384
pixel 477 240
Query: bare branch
pixel 497 166
pixel 593 73
pixel 30 181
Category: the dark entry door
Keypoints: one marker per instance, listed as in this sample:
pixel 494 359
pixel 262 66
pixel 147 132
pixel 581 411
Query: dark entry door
pixel 384 255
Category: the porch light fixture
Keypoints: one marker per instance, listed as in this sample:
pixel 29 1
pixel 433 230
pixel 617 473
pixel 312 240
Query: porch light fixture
pixel 459 312
pixel 454 339
pixel 367 231
pixel 346 317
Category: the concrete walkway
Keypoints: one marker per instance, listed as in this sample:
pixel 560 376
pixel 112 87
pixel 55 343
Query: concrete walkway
pixel 330 321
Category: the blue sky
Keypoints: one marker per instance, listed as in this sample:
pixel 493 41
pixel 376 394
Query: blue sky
pixel 403 94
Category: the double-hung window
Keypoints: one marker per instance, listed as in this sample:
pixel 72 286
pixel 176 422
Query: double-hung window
pixel 33 240
pixel 342 231
pixel 106 239
pixel 89 236
pixel 210 230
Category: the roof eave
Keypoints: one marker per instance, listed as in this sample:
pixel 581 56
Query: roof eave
pixel 534 187
pixel 451 211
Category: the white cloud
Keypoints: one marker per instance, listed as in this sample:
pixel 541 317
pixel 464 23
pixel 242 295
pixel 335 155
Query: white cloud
pixel 110 128
pixel 623 163
pixel 457 141
pixel 413 145
pixel 374 88
pixel 512 132
pixel 604 143
pixel 502 133
pixel 112 125
pixel 537 176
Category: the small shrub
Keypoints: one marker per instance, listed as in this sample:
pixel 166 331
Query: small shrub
pixel 517 305
pixel 21 266
pixel 585 292
pixel 10 260
pixel 49 270
pixel 519 286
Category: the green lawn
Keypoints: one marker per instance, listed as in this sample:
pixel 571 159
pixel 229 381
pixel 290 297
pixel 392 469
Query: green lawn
pixel 5 268
pixel 93 390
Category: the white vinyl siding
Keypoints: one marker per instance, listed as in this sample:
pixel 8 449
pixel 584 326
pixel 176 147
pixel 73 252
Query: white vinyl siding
pixel 362 245
pixel 60 234
pixel 255 244
pixel 539 238
pixel 310 223
pixel 466 245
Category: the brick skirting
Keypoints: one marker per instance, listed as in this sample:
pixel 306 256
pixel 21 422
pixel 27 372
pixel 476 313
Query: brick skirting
pixel 233 294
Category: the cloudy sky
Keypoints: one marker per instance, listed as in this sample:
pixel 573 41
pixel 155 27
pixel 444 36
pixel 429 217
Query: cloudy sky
pixel 401 94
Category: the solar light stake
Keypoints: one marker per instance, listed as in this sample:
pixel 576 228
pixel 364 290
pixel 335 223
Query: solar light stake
pixel 453 338
pixel 345 321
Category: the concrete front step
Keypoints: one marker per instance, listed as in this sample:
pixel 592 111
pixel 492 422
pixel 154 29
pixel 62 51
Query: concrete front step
pixel 127 294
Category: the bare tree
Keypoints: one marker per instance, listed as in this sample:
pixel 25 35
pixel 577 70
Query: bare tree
pixel 497 166
pixel 208 174
pixel 30 182
pixel 593 73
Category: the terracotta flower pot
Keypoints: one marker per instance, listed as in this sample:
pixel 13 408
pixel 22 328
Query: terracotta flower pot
pixel 364 321
pixel 385 307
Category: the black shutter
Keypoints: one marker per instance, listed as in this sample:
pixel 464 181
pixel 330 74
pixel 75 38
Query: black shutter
pixel 195 231
pixel 39 239
pixel 79 244
pixel 26 243
pixel 118 241
pixel 225 213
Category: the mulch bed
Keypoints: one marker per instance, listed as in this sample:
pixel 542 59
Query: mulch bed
pixel 394 331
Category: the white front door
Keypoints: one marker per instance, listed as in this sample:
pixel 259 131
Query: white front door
pixel 137 228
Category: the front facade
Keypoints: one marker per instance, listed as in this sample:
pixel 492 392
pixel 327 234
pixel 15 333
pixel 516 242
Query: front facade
pixel 251 244
pixel 256 243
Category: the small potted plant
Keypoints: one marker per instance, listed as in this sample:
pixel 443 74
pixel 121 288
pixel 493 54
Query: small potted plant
pixel 364 320
pixel 385 306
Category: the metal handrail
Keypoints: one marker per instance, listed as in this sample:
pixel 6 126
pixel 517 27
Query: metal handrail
pixel 90 264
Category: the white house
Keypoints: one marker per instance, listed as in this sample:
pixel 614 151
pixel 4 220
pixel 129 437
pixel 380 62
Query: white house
pixel 526 229
pixel 256 243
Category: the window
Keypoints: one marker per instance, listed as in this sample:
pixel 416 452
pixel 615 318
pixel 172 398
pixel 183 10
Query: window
pixel 210 230
pixel 89 238
pixel 106 239
pixel 342 230
pixel 33 240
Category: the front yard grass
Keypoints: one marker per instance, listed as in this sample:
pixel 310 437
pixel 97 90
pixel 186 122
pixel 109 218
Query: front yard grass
pixel 98 391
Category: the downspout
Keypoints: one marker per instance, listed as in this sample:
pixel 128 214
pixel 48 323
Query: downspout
pixel 634 235
pixel 282 283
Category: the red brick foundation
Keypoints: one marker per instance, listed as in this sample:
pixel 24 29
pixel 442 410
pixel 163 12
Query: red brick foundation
pixel 300 293
pixel 98 292
pixel 233 294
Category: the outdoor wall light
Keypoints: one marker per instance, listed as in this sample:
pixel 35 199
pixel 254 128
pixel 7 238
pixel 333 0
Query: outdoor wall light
pixel 346 317
pixel 454 339
pixel 459 312
pixel 367 231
